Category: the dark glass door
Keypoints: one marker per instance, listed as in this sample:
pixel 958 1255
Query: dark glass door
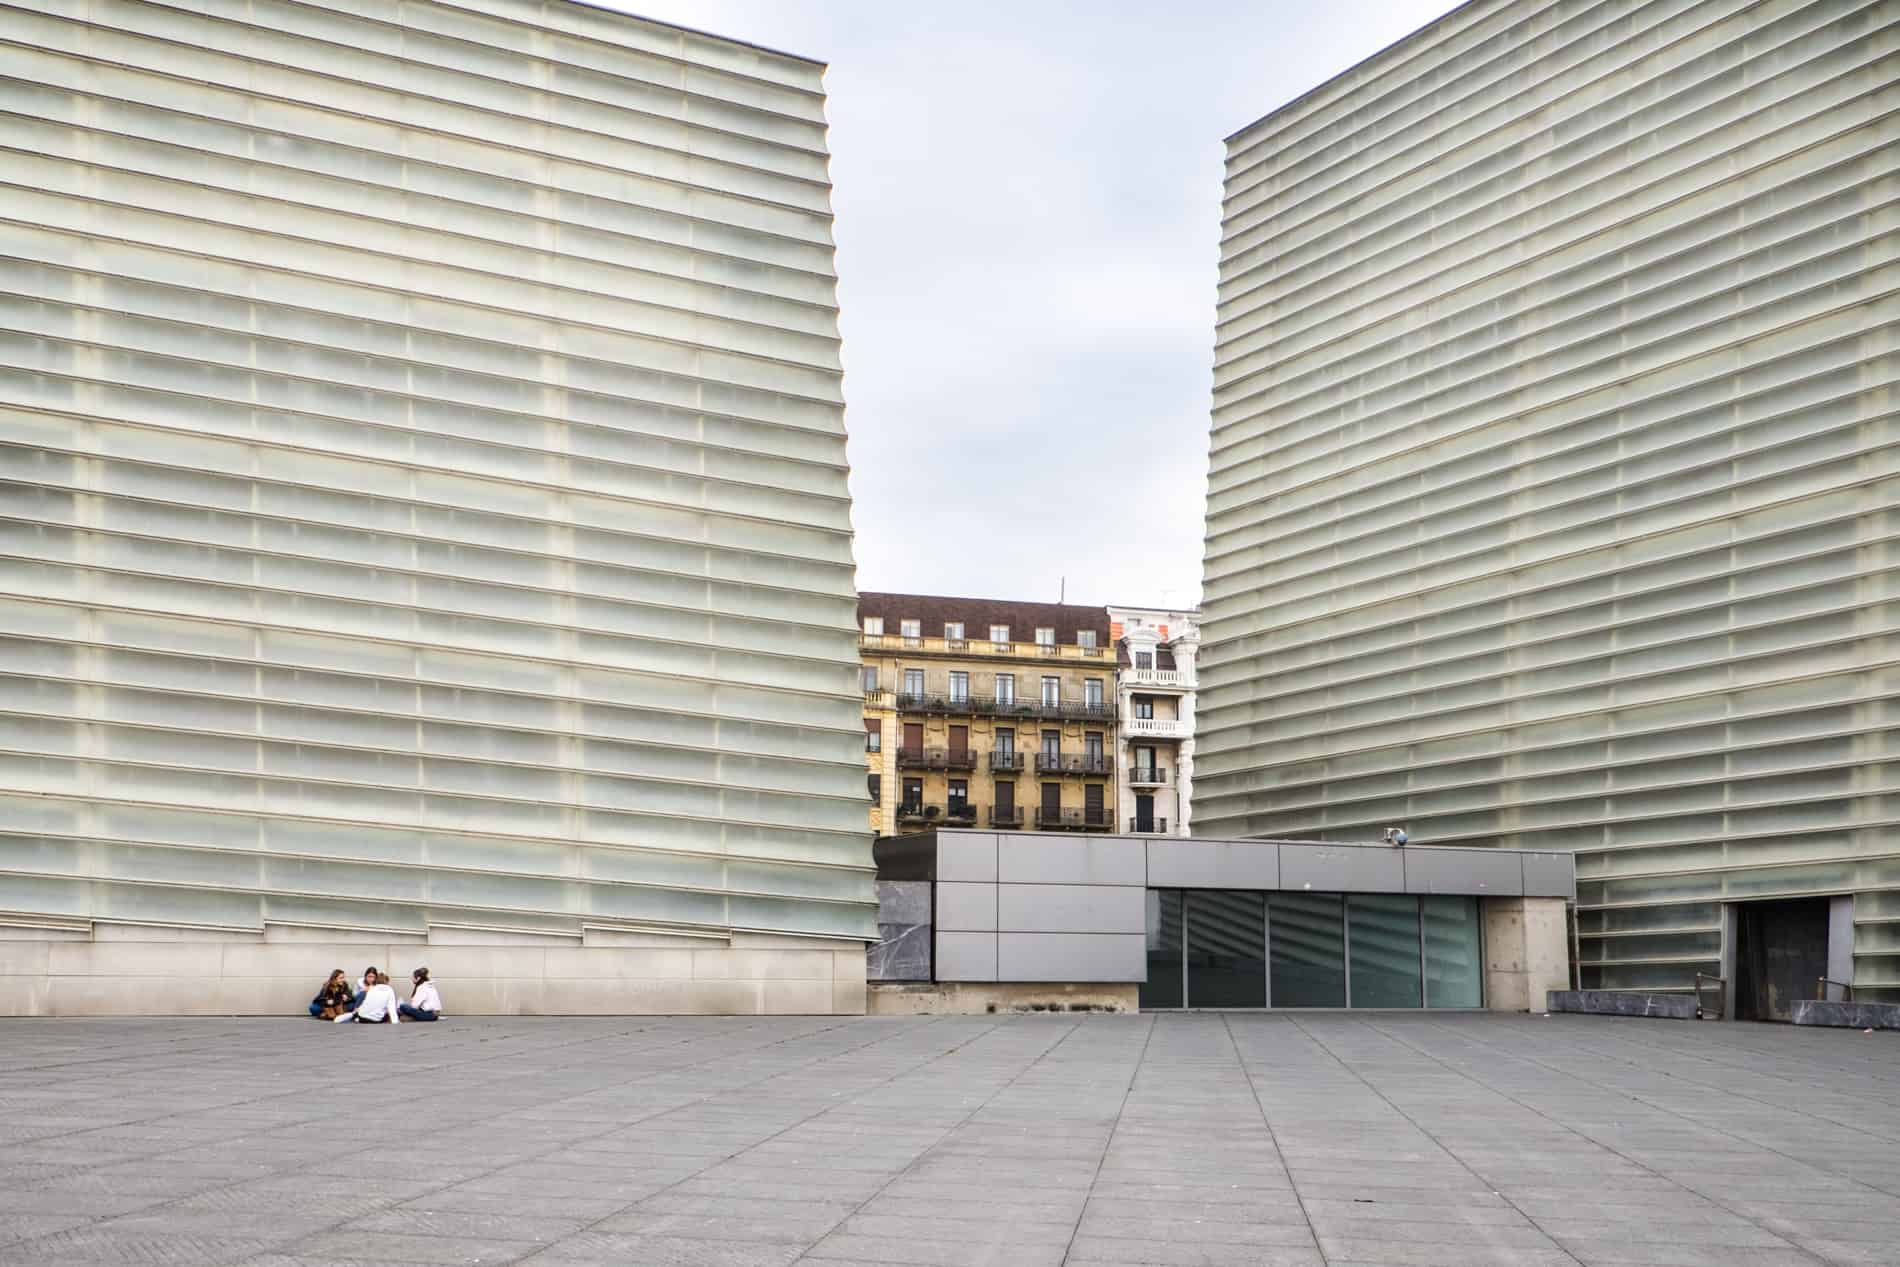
pixel 1226 948
pixel 1163 986
pixel 1388 961
pixel 1781 955
pixel 1309 950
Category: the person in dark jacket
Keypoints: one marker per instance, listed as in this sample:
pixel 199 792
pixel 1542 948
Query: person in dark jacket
pixel 333 999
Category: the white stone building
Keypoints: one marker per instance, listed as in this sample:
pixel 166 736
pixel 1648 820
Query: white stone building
pixel 1554 473
pixel 1155 651
pixel 426 533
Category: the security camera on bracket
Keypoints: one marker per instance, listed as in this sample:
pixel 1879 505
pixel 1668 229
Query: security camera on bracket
pixel 1396 836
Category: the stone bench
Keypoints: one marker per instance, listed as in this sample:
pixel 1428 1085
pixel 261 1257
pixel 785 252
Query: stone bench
pixel 1673 1007
pixel 1847 1015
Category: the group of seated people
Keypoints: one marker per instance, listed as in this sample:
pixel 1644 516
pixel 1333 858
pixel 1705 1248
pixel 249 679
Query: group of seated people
pixel 373 1002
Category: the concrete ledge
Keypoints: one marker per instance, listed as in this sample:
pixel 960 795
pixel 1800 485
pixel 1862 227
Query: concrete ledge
pixel 952 998
pixel 1669 1007
pixel 1847 1015
pixel 755 975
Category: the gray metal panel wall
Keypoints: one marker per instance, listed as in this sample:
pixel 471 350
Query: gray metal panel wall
pixel 1554 462
pixel 425 487
pixel 1075 908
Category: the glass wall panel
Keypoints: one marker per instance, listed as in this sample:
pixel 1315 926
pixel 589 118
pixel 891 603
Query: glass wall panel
pixel 1383 931
pixel 1454 952
pixel 1163 986
pixel 1227 948
pixel 1309 950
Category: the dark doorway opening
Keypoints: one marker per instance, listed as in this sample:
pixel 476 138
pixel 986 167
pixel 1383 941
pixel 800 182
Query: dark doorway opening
pixel 1780 955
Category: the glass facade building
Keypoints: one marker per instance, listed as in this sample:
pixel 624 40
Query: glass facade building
pixel 424 491
pixel 1555 473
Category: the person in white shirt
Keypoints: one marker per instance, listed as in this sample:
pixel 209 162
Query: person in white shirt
pixel 424 1003
pixel 378 1006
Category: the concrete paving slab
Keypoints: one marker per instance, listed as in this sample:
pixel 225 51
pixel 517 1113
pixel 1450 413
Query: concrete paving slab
pixel 1197 1139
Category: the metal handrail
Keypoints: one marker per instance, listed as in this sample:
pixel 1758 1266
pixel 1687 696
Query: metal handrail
pixel 936 758
pixel 1720 1010
pixel 1847 989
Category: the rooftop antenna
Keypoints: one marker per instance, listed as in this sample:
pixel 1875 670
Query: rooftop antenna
pixel 1062 594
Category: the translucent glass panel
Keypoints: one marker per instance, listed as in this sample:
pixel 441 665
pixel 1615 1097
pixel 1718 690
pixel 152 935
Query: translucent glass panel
pixel 1308 942
pixel 468 538
pixel 1383 949
pixel 1454 951
pixel 1511 563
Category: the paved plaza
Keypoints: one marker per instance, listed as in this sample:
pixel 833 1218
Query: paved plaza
pixel 732 1142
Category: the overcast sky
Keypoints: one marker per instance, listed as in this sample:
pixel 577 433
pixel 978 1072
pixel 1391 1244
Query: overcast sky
pixel 1028 203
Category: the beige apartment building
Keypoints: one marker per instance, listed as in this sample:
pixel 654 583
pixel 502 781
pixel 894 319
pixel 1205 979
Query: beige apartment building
pixel 985 713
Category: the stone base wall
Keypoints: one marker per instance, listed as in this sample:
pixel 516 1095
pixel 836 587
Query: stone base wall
pixel 1526 952
pixel 1847 1015
pixel 1672 1007
pixel 118 971
pixel 954 998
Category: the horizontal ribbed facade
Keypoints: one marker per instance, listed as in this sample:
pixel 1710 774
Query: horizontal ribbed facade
pixel 424 490
pixel 1554 481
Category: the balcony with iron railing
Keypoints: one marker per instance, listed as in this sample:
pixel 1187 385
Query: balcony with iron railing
pixel 1006 762
pixel 959 814
pixel 935 759
pixel 988 706
pixel 1073 819
pixel 1148 826
pixel 1012 817
pixel 1147 776
pixel 1072 763
pixel 984 648
pixel 917 812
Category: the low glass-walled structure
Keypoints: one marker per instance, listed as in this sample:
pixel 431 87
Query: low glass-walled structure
pixel 1238 948
pixel 1018 918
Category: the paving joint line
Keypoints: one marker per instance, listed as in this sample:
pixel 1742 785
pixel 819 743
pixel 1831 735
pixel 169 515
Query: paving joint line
pixel 162 1205
pixel 1680 1116
pixel 947 1132
pixel 1273 1136
pixel 1436 1142
pixel 1141 1058
pixel 1613 1151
